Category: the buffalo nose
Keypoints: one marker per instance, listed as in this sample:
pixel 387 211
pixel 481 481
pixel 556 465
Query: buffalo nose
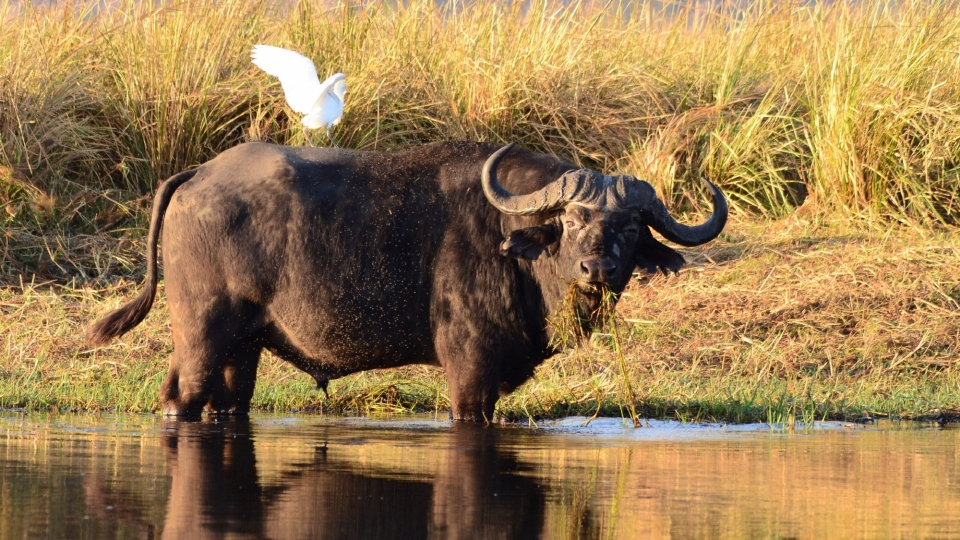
pixel 598 270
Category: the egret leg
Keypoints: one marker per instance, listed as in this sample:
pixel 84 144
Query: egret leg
pixel 307 136
pixel 329 136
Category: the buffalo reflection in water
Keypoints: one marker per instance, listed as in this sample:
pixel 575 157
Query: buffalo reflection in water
pixel 472 490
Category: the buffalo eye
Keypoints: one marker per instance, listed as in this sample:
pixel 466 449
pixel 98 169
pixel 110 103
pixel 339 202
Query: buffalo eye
pixel 571 225
pixel 631 230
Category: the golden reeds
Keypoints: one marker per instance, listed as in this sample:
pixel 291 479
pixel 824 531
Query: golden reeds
pixel 850 109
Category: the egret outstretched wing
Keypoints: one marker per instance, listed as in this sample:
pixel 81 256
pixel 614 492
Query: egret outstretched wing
pixel 296 72
pixel 321 104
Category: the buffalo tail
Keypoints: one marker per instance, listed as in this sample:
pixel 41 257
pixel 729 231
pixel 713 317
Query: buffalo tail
pixel 120 321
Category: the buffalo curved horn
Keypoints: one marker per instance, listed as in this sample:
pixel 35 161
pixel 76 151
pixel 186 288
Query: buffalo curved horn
pixel 657 216
pixel 578 185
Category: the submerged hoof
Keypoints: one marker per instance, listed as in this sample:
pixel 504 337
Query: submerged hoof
pixel 187 409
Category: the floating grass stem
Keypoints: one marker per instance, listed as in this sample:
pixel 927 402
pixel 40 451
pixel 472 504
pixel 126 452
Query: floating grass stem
pixel 571 325
pixel 627 389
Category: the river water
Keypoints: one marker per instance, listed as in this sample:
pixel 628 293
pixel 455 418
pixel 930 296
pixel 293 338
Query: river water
pixel 139 476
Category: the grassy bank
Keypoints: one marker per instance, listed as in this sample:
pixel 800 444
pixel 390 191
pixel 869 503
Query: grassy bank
pixel 775 322
pixel 834 130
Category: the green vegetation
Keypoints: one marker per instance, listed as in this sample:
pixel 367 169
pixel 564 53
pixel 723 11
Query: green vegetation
pixel 835 131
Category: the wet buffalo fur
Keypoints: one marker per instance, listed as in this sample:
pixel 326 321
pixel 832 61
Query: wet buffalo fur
pixel 340 261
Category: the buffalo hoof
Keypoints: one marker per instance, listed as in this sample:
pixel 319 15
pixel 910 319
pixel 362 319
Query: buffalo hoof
pixel 187 409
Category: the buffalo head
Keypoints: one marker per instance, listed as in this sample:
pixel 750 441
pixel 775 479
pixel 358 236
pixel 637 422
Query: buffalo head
pixel 597 225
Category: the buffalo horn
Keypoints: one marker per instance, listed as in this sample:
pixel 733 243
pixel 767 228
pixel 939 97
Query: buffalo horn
pixel 657 217
pixel 578 185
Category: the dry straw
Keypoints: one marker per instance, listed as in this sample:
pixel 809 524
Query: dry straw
pixel 850 108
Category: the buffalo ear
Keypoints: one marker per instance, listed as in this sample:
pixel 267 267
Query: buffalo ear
pixel 652 255
pixel 529 243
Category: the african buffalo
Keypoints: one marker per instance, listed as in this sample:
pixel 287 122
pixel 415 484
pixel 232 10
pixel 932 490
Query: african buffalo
pixel 340 261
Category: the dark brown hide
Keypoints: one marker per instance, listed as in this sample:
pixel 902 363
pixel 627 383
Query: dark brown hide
pixel 341 261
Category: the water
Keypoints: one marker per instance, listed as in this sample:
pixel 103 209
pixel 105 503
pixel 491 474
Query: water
pixel 128 476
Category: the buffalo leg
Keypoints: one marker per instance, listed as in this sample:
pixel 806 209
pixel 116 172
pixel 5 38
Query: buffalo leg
pixel 473 382
pixel 205 342
pixel 471 398
pixel 182 394
pixel 233 387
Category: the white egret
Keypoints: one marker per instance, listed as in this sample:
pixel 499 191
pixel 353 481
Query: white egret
pixel 321 103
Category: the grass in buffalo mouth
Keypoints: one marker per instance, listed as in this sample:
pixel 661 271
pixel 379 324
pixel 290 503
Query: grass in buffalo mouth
pixel 585 307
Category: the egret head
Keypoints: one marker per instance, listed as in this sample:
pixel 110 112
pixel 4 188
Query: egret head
pixel 340 88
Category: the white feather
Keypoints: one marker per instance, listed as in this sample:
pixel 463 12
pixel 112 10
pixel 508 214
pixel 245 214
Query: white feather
pixel 296 72
pixel 322 104
pixel 328 107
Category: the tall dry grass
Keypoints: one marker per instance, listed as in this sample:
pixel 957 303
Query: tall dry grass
pixel 847 109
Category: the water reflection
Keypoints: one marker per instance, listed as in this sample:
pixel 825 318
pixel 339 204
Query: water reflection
pixel 116 508
pixel 309 477
pixel 217 491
